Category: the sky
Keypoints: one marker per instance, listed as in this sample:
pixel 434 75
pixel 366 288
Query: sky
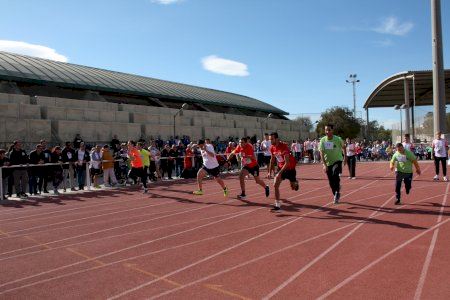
pixel 293 54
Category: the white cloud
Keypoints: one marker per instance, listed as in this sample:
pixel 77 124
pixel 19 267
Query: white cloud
pixel 224 66
pixel 166 2
pixel 391 25
pixel 31 50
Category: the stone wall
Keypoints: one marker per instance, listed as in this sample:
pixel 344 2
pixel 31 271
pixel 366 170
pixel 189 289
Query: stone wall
pixel 31 119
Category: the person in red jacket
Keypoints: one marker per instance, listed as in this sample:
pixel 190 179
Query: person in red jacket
pixel 286 167
pixel 249 166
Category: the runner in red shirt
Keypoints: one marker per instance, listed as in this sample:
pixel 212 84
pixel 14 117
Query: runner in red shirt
pixel 137 167
pixel 286 165
pixel 249 166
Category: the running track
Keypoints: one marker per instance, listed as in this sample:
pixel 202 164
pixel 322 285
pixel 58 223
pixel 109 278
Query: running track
pixel 169 244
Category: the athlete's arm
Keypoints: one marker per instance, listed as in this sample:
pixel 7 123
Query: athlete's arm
pixel 269 171
pixel 344 151
pixel 322 158
pixel 416 165
pixel 392 164
pixel 286 164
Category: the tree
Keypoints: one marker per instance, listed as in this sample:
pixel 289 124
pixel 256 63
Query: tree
pixel 427 127
pixel 376 131
pixel 345 124
pixel 304 125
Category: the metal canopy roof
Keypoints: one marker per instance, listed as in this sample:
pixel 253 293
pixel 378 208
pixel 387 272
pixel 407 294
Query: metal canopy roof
pixel 15 67
pixel 391 91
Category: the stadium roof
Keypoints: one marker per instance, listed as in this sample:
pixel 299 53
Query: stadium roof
pixel 15 67
pixel 391 91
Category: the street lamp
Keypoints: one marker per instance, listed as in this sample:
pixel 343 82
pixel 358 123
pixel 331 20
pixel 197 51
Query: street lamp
pixel 264 121
pixel 353 81
pixel 400 107
pixel 175 115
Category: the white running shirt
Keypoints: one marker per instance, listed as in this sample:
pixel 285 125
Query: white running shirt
pixel 210 162
pixel 266 145
pixel 351 149
pixel 439 148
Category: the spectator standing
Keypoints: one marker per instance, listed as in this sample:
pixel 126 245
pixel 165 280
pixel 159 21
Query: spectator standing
pixel 77 141
pixel 69 158
pixel 47 169
pixel 37 157
pixel 96 163
pixel 180 150
pixel 82 156
pixel 56 157
pixel 165 161
pixel 154 161
pixel 172 159
pixel 17 157
pixel 109 178
pixel 115 144
pixel 4 162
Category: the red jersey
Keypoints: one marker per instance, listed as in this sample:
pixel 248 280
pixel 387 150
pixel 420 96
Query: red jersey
pixel 188 159
pixel 137 161
pixel 247 154
pixel 280 151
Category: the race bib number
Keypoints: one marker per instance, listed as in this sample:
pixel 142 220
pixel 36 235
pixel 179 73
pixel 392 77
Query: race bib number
pixel 69 155
pixel 329 145
pixel 401 158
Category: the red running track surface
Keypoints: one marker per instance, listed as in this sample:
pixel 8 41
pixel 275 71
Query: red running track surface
pixel 170 244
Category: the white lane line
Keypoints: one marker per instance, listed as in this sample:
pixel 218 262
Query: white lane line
pixel 101 215
pixel 123 226
pixel 373 263
pixel 426 265
pixel 273 253
pixel 323 254
pixel 107 254
pixel 119 251
pixel 126 292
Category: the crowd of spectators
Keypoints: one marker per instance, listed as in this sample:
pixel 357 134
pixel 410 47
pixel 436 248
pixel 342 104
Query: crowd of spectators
pixel 68 166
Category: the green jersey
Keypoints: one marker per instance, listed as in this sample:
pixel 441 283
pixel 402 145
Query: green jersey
pixel 404 161
pixel 331 149
pixel 145 155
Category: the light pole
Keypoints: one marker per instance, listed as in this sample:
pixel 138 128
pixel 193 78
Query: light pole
pixel 264 121
pixel 353 81
pixel 400 107
pixel 175 115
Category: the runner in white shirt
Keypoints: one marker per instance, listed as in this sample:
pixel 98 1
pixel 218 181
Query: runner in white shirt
pixel 210 167
pixel 407 143
pixel 351 158
pixel 439 154
pixel 265 147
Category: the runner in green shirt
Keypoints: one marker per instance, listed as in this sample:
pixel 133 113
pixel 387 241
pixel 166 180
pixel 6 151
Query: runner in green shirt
pixel 145 156
pixel 404 172
pixel 333 155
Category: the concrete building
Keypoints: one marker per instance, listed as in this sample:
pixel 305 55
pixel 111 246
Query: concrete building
pixel 44 99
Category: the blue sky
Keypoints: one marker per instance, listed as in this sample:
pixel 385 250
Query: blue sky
pixel 295 54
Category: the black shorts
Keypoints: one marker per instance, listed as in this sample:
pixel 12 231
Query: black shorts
pixel 290 175
pixel 212 172
pixel 252 170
